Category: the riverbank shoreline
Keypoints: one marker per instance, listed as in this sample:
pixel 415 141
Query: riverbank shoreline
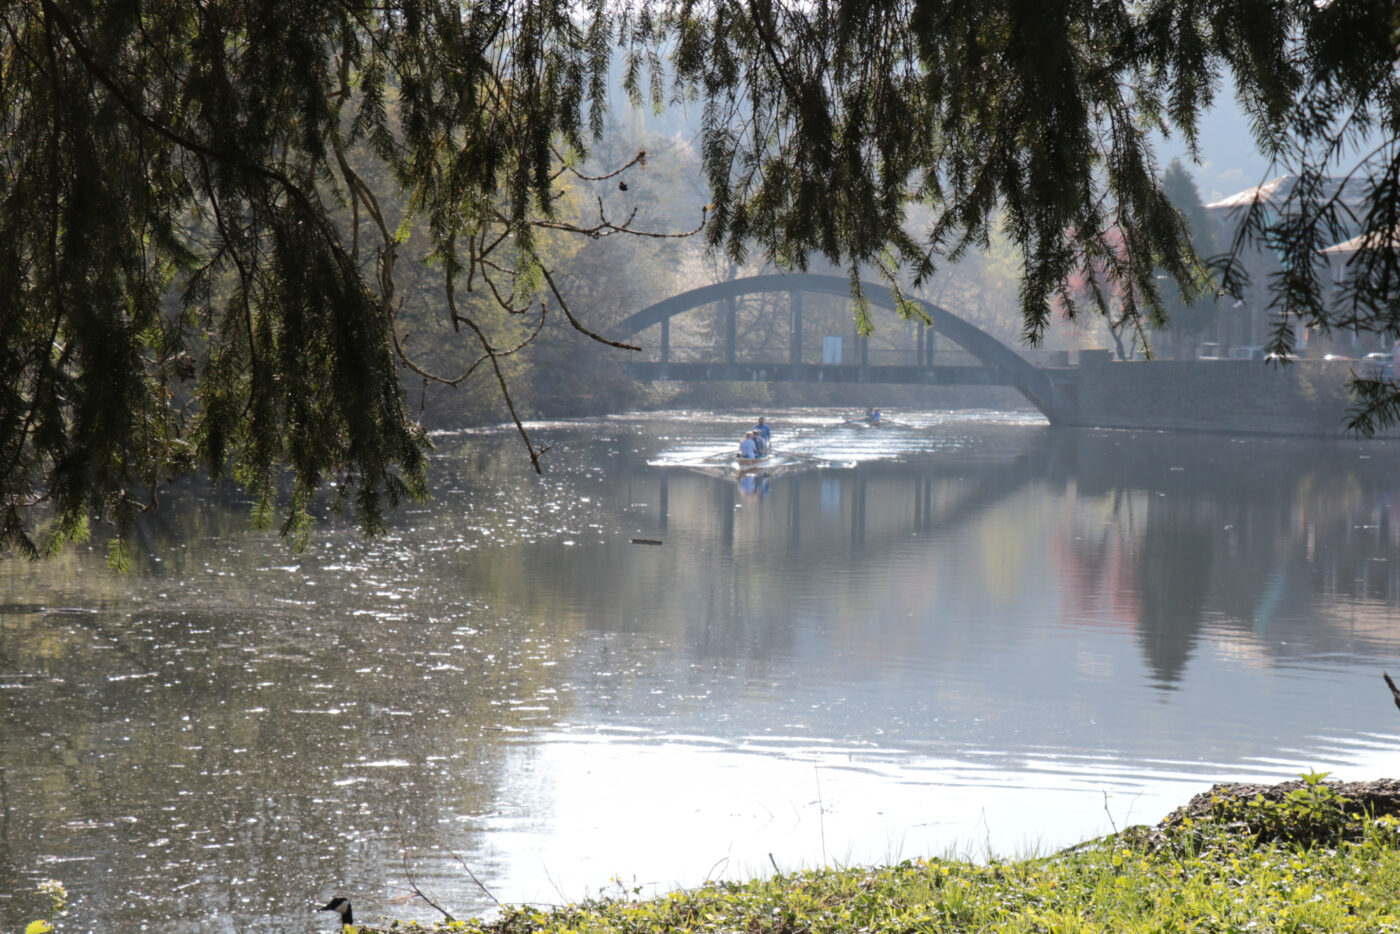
pixel 1300 855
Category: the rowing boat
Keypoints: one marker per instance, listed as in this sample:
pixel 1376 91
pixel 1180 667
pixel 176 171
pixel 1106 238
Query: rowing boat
pixel 774 463
pixel 739 464
pixel 768 461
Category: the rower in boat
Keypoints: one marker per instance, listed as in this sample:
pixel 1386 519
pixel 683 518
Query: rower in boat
pixel 871 417
pixel 765 436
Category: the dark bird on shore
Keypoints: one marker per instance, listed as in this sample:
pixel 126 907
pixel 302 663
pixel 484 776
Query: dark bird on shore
pixel 340 906
pixel 1394 691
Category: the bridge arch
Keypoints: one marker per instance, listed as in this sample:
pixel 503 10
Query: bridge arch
pixel 1031 381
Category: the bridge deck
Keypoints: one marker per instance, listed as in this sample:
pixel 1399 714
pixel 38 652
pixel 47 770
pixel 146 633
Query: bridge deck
pixel 823 373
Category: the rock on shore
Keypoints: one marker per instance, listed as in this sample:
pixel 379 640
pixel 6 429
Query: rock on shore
pixel 1379 798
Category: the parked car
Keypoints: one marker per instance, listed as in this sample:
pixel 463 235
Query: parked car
pixel 1377 365
pixel 1247 353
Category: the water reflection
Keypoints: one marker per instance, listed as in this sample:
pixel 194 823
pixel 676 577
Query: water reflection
pixel 1232 535
pixel 966 639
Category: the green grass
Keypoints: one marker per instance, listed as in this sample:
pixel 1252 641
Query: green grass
pixel 1200 877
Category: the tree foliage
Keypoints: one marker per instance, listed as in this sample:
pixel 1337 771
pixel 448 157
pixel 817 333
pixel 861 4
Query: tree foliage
pixel 205 205
pixel 199 270
pixel 1190 313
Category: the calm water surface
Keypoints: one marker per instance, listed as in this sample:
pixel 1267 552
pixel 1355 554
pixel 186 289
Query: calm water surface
pixel 964 633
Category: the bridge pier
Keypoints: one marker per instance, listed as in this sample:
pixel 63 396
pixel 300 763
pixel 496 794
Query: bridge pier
pixel 665 348
pixel 731 328
pixel 795 333
pixel 926 343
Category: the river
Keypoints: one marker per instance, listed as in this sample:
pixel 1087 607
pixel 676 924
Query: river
pixel 964 633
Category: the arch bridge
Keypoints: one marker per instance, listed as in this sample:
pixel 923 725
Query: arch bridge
pixel 1052 392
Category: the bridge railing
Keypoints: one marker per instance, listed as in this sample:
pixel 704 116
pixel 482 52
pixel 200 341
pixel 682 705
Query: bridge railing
pixel 946 354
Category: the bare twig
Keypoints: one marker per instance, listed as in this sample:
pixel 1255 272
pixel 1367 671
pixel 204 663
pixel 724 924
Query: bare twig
pixel 479 884
pixel 606 228
pixel 639 159
pixel 1111 822
pixel 578 326
pixel 1394 691
pixel 720 862
pixel 413 884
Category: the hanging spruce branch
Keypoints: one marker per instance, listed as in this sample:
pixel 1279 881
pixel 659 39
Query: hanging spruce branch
pixel 207 207
pixel 204 224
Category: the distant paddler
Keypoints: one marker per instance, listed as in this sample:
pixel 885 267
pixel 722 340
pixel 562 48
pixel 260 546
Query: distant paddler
pixel 871 417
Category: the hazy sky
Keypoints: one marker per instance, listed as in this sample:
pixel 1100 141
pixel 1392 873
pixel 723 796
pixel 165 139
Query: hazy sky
pixel 1229 162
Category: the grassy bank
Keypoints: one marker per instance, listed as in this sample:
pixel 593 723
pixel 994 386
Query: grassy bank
pixel 1299 857
pixel 1305 856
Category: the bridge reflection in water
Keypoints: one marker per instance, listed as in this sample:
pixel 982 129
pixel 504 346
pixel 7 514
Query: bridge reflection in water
pixel 938 499
pixel 1172 537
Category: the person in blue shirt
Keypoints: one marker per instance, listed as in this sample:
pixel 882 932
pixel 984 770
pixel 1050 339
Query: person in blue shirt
pixel 764 437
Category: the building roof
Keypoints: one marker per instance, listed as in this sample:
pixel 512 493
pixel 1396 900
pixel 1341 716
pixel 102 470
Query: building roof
pixel 1373 238
pixel 1350 191
pixel 1265 192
